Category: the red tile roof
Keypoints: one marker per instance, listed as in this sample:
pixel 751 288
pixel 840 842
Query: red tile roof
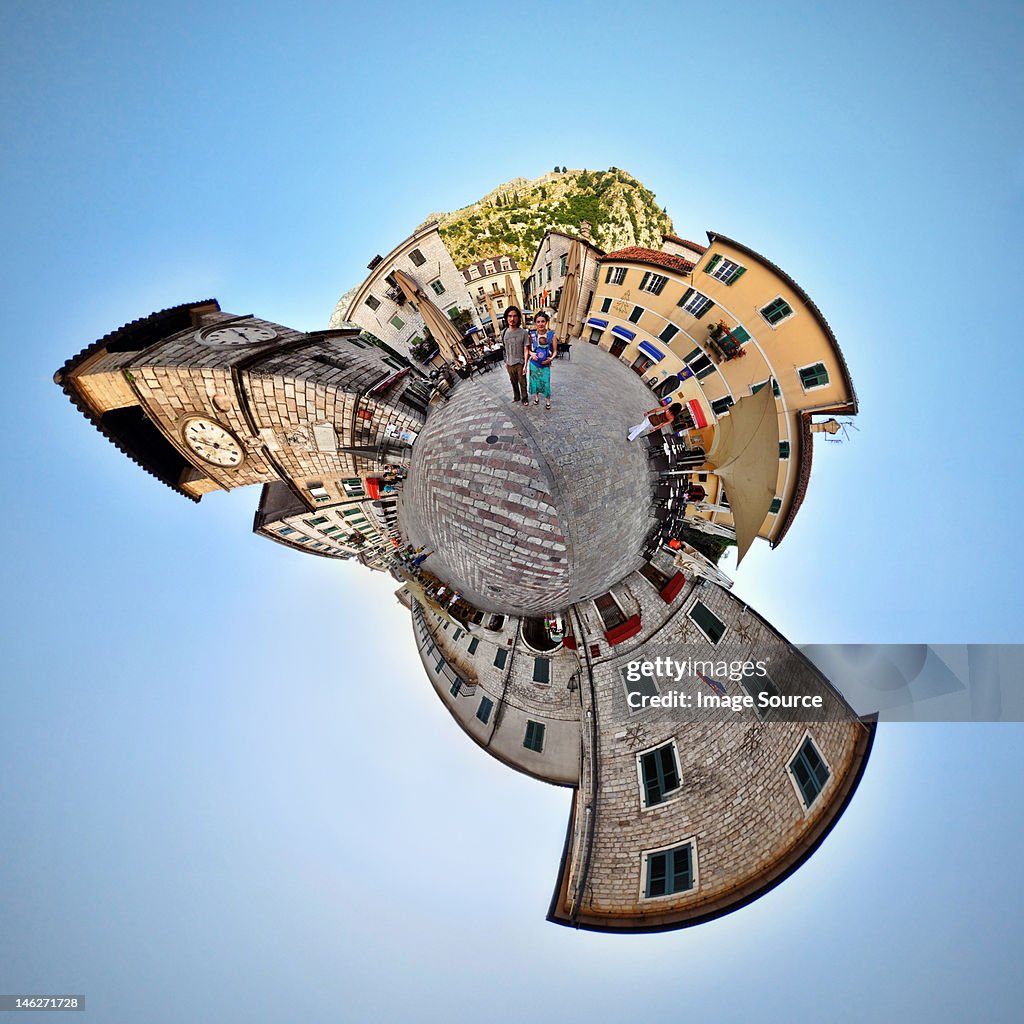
pixel 636 254
pixel 696 246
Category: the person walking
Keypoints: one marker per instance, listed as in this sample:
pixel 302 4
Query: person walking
pixel 542 350
pixel 516 339
pixel 654 418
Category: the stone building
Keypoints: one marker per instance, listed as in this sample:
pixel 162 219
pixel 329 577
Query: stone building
pixel 679 814
pixel 378 304
pixel 494 284
pixel 205 401
pixel 543 286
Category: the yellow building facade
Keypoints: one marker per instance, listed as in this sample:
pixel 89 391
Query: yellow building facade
pixel 710 332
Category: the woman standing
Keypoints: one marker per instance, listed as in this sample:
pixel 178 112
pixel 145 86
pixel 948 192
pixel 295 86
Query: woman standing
pixel 542 350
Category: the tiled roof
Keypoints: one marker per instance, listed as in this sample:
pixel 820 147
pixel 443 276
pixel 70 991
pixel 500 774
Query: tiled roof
pixel 636 254
pixel 696 246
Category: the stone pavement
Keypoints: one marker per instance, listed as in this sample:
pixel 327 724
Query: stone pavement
pixel 528 511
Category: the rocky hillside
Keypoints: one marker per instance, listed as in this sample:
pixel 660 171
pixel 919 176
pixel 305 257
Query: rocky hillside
pixel 512 219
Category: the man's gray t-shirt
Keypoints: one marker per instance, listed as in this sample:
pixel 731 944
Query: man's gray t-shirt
pixel 515 342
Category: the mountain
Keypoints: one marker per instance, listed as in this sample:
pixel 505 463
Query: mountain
pixel 512 218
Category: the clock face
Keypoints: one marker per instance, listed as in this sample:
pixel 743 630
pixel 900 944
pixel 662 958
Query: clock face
pixel 237 334
pixel 213 443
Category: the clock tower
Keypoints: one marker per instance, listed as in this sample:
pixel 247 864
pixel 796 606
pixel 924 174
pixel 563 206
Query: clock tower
pixel 205 400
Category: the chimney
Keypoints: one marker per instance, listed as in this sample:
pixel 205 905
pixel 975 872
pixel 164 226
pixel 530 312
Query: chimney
pixel 585 230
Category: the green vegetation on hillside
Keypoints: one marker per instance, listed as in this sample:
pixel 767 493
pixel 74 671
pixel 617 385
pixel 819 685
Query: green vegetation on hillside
pixel 512 219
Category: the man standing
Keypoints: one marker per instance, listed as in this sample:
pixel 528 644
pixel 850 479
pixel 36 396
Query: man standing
pixel 515 338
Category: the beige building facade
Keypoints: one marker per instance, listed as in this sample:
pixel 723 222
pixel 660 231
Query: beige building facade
pixel 710 332
pixel 378 304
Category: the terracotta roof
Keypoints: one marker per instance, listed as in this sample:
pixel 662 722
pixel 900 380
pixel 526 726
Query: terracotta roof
pixel 807 301
pixel 696 246
pixel 636 254
pixel 804 454
pixel 132 337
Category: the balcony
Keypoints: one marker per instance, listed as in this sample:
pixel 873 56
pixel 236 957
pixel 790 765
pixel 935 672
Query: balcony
pixel 726 343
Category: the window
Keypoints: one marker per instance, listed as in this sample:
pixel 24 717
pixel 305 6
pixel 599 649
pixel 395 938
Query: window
pixel 397 322
pixel 783 449
pixel 456 687
pixel 754 388
pixel 699 363
pixel 694 303
pixel 454 313
pixel 809 771
pixel 606 304
pixel 609 610
pixel 653 283
pixel 318 493
pixel 418 259
pixel 724 270
pixel 615 275
pixel 303 540
pixel 669 333
pixel 500 657
pixel 721 405
pixel 285 531
pixel 642 364
pixel 541 670
pixel 317 521
pixel 775 507
pixel 484 711
pixel 436 287
pixel 534 738
pixel 776 311
pixel 812 377
pixel 659 774
pixel 634 317
pixel 669 871
pixel 595 335
pixel 549 271
pixel 474 644
pixel 707 622
pixel 654 576
pixel 353 487
pixel 373 303
pixel 755 686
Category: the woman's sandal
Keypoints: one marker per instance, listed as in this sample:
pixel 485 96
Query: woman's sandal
pixel 548 406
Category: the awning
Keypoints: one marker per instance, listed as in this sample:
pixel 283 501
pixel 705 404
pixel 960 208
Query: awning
pixel 373 486
pixel 622 332
pixel 647 348
pixel 387 382
pixel 745 456
pixel 472 330
pixel 595 321
pixel 699 419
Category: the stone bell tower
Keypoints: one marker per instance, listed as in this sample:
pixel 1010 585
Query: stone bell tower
pixel 205 400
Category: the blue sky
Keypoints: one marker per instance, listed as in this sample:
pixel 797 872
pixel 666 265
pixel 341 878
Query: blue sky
pixel 250 811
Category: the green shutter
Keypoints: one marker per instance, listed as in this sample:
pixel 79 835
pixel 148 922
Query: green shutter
pixel 736 275
pixel 686 296
pixel 712 263
pixel 500 657
pixel 739 335
pixel 783 449
pixel 541 670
